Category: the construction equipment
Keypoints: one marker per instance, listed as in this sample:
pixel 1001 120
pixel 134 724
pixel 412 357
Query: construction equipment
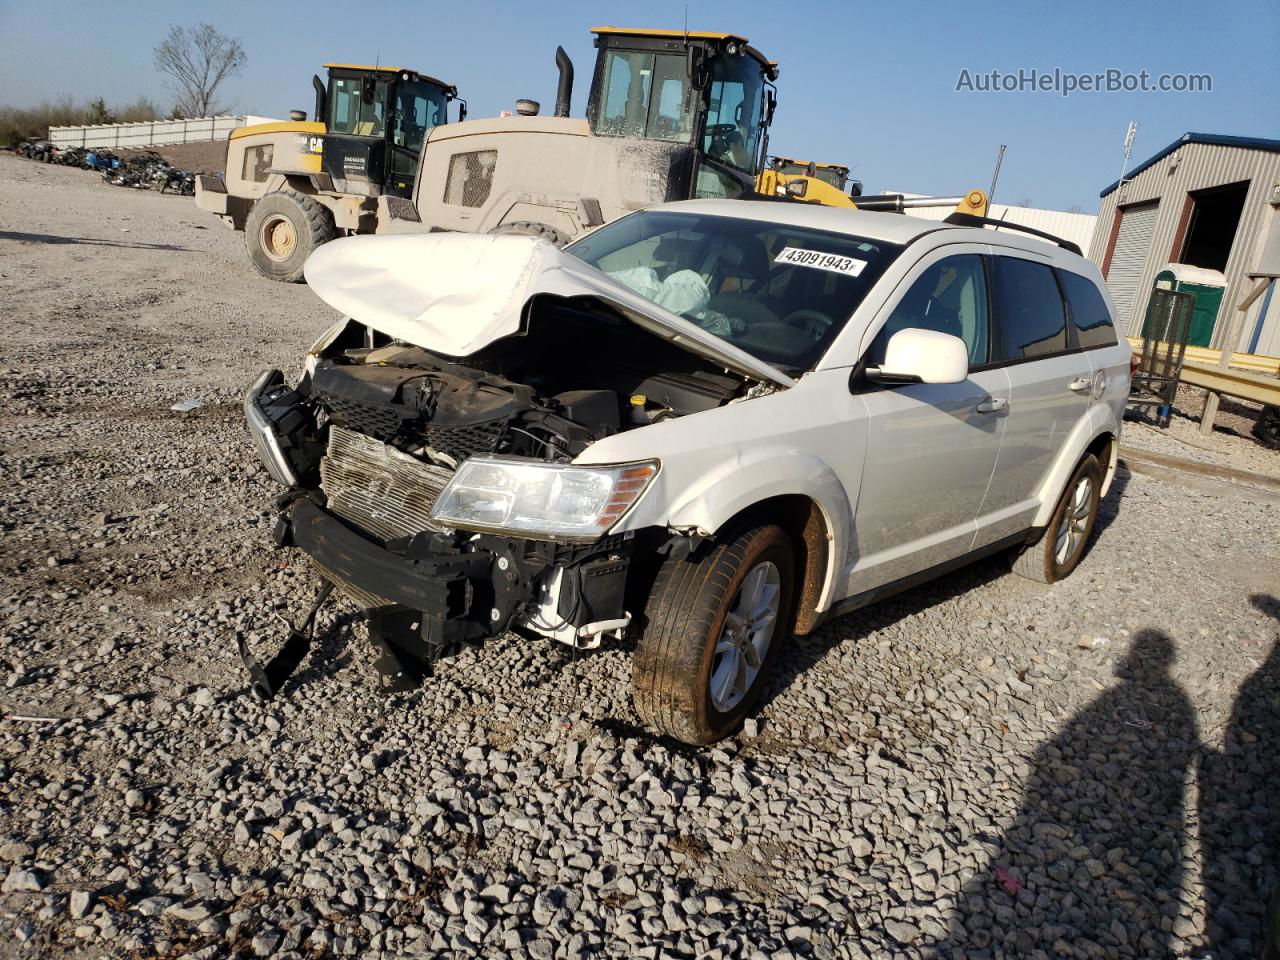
pixel 810 183
pixel 671 115
pixel 834 174
pixel 292 186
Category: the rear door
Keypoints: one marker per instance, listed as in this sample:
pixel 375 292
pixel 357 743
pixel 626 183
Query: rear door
pixel 931 448
pixel 1050 386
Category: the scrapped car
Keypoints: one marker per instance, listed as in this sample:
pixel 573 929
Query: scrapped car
pixel 710 425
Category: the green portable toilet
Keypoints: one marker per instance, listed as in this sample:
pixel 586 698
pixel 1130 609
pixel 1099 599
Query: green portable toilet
pixel 1207 286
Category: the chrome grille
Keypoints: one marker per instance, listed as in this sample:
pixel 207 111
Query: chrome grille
pixel 378 488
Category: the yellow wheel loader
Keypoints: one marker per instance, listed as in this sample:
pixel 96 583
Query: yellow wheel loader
pixel 292 186
pixel 824 184
pixel 670 116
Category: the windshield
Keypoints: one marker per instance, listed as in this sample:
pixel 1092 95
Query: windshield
pixel 733 119
pixel 781 293
pixel 419 107
pixel 645 96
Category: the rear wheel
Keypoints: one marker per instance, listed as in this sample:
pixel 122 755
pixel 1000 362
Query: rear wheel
pixel 1061 546
pixel 714 627
pixel 282 230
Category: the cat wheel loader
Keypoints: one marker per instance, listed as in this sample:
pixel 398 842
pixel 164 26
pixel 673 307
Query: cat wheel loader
pixel 670 115
pixel 292 186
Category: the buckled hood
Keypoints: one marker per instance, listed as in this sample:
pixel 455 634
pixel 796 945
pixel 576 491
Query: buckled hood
pixel 455 293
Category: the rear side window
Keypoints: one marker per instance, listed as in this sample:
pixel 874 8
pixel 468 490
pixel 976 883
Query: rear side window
pixel 1089 314
pixel 1030 319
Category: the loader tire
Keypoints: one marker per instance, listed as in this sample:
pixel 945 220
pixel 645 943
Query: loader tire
pixel 282 230
pixel 530 229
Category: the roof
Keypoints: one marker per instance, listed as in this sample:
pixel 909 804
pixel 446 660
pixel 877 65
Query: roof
pixel 872 225
pixel 381 69
pixel 689 35
pixel 868 224
pixel 1214 139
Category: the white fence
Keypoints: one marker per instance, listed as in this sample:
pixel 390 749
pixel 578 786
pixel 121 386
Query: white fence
pixel 148 133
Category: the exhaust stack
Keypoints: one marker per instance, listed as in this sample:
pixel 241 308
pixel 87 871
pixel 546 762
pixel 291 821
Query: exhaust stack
pixel 565 89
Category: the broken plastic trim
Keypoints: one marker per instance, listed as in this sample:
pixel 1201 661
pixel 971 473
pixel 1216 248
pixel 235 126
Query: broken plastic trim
pixel 265 682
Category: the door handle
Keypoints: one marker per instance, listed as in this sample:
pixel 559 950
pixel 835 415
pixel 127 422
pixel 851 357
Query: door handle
pixel 993 405
pixel 1081 384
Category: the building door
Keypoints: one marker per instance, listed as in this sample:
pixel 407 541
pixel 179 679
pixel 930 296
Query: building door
pixel 1124 266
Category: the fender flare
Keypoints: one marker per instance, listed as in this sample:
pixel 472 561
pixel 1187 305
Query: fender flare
pixel 740 483
pixel 1099 420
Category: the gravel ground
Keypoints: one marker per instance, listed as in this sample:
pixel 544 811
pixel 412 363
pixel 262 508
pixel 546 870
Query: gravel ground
pixel 981 767
pixel 1231 443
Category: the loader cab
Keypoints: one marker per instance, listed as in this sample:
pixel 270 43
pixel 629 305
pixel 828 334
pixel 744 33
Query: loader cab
pixel 712 91
pixel 376 119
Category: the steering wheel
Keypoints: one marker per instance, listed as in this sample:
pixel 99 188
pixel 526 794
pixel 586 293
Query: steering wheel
pixel 813 322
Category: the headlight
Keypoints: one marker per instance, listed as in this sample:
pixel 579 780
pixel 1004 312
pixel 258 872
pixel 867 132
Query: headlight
pixel 261 411
pixel 550 501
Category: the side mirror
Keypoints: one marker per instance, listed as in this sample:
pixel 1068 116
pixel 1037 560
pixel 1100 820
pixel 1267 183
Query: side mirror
pixel 922 356
pixel 855 188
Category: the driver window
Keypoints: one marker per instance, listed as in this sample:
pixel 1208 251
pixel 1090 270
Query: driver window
pixel 950 297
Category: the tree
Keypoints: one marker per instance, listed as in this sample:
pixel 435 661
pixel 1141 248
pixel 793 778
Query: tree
pixel 197 60
pixel 98 112
pixel 1024 202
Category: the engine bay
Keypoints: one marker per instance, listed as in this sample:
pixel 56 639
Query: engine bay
pixel 572 378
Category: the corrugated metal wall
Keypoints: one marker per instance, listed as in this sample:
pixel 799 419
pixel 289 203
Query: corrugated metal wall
pixel 1076 227
pixel 1196 166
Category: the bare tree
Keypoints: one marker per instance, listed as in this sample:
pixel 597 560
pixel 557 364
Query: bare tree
pixel 197 60
pixel 1075 208
pixel 1024 202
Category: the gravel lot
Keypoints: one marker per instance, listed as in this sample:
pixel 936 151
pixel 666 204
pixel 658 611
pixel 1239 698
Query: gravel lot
pixel 982 767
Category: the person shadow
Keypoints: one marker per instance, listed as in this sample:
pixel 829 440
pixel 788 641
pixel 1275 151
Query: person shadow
pixel 1240 818
pixel 1093 862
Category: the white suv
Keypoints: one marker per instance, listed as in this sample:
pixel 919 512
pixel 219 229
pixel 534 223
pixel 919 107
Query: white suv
pixel 708 425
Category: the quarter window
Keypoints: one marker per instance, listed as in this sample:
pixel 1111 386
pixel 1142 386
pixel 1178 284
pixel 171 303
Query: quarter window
pixel 1089 314
pixel 950 297
pixel 1030 319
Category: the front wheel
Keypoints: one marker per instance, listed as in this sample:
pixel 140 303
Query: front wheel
pixel 1061 546
pixel 714 627
pixel 282 230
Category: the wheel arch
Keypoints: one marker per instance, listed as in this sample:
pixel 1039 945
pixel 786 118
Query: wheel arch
pixel 807 526
pixel 1096 433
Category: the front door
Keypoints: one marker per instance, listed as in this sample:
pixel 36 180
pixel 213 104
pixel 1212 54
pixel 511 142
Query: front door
pixel 931 448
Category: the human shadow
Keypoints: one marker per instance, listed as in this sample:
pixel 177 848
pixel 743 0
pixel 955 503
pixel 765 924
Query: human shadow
pixel 1093 862
pixel 1240 816
pixel 50 238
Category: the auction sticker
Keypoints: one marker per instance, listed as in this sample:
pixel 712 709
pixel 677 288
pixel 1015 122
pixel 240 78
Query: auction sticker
pixel 820 261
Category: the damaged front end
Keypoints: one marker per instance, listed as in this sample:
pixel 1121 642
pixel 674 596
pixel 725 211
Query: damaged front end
pixel 431 470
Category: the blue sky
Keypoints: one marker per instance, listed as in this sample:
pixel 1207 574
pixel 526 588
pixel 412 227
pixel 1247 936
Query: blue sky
pixel 869 84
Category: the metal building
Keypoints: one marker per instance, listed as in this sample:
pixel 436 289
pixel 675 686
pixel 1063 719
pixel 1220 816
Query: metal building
pixel 1076 227
pixel 1207 202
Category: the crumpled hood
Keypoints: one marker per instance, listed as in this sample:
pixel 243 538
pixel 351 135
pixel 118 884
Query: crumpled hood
pixel 455 293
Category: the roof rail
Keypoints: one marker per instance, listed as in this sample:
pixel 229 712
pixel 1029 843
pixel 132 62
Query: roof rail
pixel 969 220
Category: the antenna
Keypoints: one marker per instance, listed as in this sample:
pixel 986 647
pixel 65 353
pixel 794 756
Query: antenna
pixel 1128 150
pixel 686 24
pixel 991 194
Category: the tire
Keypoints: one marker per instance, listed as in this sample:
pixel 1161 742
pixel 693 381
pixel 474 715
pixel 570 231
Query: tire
pixel 282 230
pixel 530 229
pixel 1267 429
pixel 676 659
pixel 1060 548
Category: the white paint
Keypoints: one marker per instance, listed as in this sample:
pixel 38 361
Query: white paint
pixel 458 293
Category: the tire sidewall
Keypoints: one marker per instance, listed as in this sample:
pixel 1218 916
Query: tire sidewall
pixel 765 543
pixel 279 204
pixel 1089 467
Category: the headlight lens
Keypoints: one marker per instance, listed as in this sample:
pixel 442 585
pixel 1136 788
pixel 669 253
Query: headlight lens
pixel 552 501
